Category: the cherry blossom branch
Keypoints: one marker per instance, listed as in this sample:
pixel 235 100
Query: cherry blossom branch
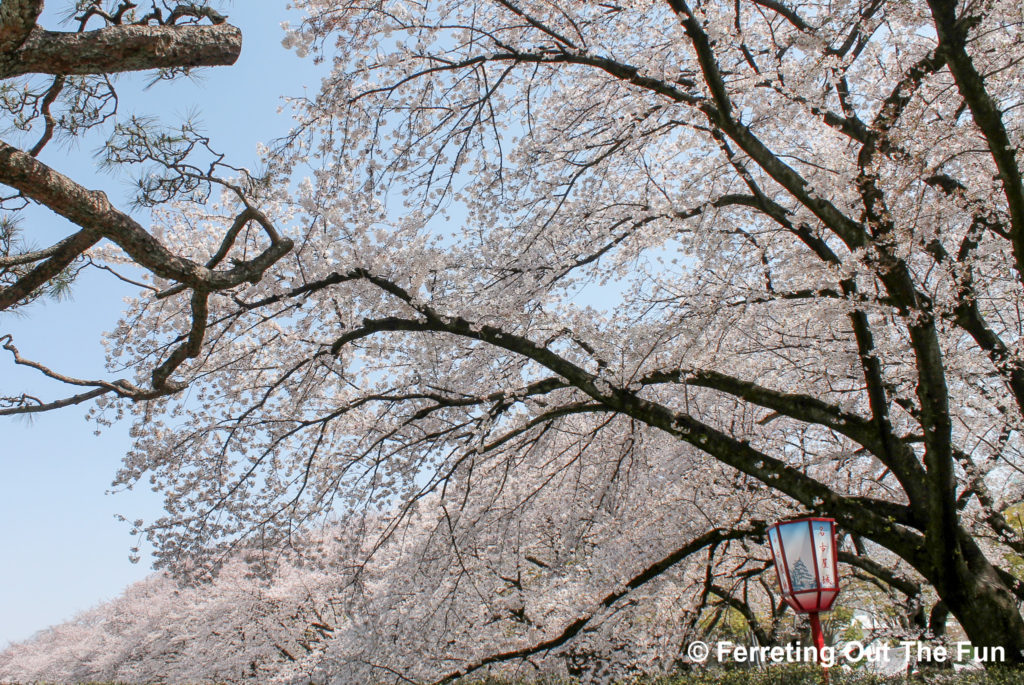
pixel 787 12
pixel 857 514
pixel 655 570
pixel 952 32
pixel 801 407
pixel 743 607
pixel 719 112
pixel 893 453
pixel 968 316
pixel 620 70
pixel 932 389
pixel 886 575
pixel 537 24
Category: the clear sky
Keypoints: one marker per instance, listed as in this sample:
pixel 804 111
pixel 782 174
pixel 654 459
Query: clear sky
pixel 61 549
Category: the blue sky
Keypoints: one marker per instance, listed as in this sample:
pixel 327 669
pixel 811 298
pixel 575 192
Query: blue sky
pixel 61 549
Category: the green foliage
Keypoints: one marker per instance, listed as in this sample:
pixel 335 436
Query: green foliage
pixel 1014 515
pixel 725 623
pixel 840 620
pixel 11 246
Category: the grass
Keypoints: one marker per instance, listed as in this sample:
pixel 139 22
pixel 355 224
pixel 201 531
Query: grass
pixel 803 675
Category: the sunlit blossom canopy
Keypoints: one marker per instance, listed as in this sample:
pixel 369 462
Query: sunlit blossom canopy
pixel 805 559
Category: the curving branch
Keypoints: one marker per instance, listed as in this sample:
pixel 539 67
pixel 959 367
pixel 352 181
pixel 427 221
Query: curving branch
pixel 888 576
pixel 711 538
pixel 26 404
pixel 100 219
pixel 873 518
pixel 952 32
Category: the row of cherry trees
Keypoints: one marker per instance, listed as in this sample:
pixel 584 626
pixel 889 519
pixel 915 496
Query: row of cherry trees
pixel 389 615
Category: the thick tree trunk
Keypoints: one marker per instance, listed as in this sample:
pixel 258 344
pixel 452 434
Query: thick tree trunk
pixel 985 606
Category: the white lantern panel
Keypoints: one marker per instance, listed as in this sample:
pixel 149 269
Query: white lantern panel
pixel 797 547
pixel 773 537
pixel 823 550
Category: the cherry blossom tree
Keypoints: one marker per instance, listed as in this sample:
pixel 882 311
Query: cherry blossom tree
pixel 764 256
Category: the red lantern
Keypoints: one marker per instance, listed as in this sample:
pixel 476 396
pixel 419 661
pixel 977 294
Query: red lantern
pixel 805 560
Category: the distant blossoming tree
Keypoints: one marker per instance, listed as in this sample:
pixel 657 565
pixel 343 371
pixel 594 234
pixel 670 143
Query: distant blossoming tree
pixel 587 259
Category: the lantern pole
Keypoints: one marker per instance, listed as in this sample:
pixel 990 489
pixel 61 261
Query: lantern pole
pixel 819 643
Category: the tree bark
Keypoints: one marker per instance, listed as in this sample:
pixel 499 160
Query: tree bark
pixel 17 19
pixel 980 600
pixel 123 48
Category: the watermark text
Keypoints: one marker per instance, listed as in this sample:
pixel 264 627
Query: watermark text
pixel 848 653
